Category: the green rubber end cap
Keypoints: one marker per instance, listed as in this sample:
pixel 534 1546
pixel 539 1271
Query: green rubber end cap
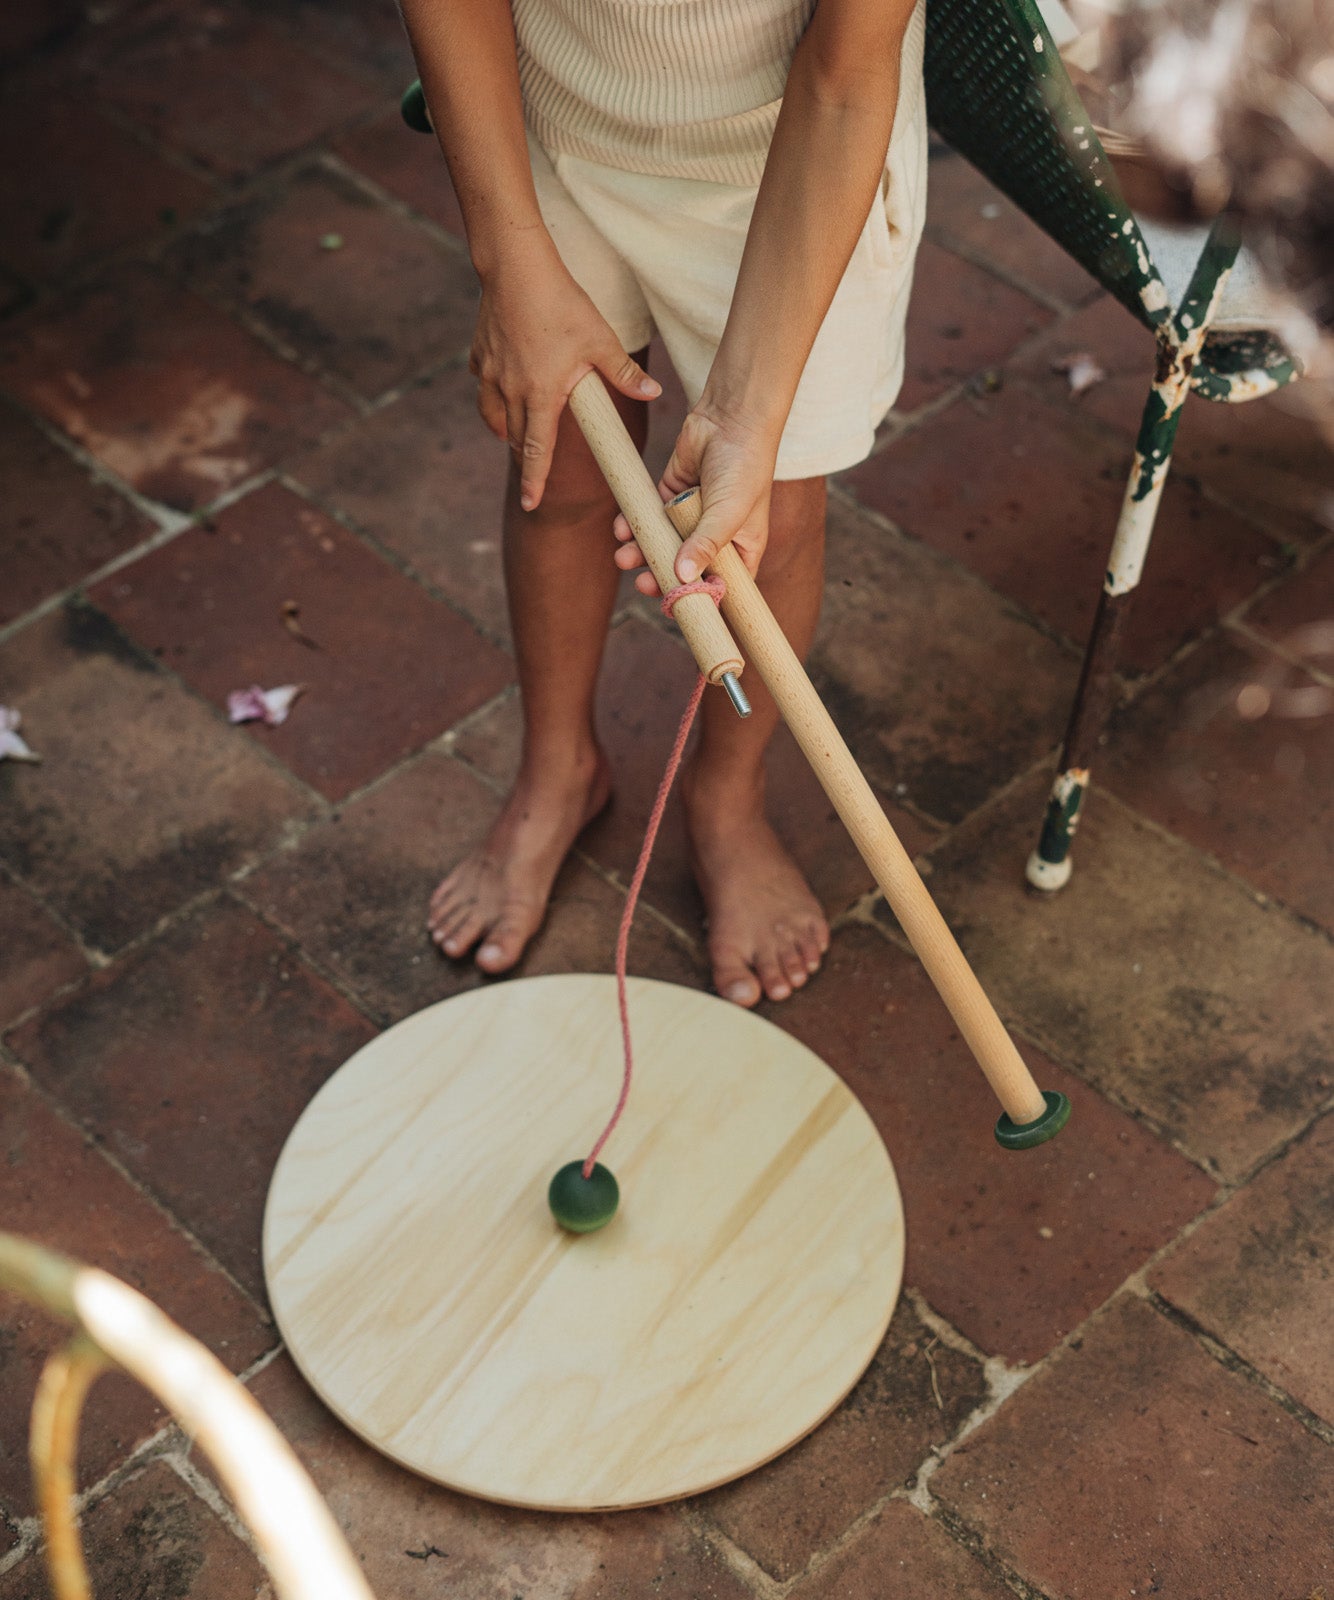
pixel 1024 1135
pixel 582 1205
pixel 413 107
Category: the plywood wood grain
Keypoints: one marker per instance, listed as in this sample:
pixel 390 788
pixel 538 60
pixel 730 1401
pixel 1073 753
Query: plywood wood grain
pixel 431 1300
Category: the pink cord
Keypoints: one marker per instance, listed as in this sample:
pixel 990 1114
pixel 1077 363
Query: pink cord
pixel 718 590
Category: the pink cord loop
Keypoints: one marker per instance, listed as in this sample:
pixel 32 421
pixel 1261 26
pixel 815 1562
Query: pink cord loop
pixel 636 884
pixel 717 590
pixel 710 585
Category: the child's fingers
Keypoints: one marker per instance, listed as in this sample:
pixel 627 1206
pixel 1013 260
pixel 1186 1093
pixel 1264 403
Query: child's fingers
pixel 537 448
pixel 623 372
pixel 719 527
pixel 700 549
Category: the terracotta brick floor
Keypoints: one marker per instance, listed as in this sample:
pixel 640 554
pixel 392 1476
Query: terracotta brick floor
pixel 234 311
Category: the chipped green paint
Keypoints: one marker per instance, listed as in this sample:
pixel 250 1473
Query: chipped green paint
pixel 1063 807
pixel 999 92
pixel 1243 366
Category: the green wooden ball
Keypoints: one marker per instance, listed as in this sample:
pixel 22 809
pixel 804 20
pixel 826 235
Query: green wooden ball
pixel 581 1204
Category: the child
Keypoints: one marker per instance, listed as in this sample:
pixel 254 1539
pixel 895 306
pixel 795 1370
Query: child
pixel 722 172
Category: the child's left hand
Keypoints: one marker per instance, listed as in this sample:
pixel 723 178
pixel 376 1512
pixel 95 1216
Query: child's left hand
pixel 732 461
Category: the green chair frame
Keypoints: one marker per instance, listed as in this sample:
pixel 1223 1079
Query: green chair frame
pixel 998 92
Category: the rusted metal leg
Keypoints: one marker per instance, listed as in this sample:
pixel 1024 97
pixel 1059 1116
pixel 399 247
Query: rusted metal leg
pixel 63 1387
pixel 1179 343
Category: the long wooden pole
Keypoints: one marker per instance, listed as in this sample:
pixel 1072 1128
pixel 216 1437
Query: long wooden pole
pixel 767 648
pixel 696 615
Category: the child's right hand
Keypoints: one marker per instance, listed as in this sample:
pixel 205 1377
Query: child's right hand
pixel 537 334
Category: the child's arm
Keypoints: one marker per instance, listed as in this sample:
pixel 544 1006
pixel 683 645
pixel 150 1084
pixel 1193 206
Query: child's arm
pixel 824 169
pixel 537 332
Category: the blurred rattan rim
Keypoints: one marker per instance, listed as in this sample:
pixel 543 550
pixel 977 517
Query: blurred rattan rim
pixel 115 1326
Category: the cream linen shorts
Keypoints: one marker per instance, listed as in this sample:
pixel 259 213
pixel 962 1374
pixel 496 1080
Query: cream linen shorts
pixel 662 253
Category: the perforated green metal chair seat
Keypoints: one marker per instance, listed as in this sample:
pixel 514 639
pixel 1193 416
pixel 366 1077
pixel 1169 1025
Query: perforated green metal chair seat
pixel 997 91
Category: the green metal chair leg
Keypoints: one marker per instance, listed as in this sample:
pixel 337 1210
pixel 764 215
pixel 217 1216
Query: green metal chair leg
pixel 1179 343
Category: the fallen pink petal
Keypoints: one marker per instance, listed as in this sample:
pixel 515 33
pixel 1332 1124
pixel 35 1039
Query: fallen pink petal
pixel 262 705
pixel 1081 371
pixel 13 747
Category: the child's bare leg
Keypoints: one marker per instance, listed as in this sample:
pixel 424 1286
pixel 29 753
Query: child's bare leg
pixel 767 931
pixel 561 586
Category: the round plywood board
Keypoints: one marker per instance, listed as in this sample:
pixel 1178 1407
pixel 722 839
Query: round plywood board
pixel 433 1303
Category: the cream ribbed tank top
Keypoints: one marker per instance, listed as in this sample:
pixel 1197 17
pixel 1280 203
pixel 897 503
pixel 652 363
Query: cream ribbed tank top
pixel 678 88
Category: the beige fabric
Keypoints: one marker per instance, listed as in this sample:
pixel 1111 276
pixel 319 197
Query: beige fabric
pixel 662 253
pixel 676 88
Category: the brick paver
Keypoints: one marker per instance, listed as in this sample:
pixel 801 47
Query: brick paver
pixel 964 212
pixel 83 188
pixel 192 1060
pixel 1015 1249
pixel 1254 791
pixel 143 798
pixel 413 1537
pixel 152 1535
pixel 1135 1462
pixel 1266 458
pixel 235 307
pixel 962 322
pixel 902 1556
pixel 646 679
pixel 801 1504
pixel 354 893
pixel 427 481
pixel 410 169
pixel 1046 548
pixel 220 84
pixel 1257 1272
pixel 60 1191
pixel 1158 979
pixel 336 276
pixel 55 525
pixel 217 606
pixel 44 956
pixel 943 693
pixel 171 394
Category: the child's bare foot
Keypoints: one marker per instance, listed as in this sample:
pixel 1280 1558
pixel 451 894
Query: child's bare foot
pixel 767 933
pixel 498 895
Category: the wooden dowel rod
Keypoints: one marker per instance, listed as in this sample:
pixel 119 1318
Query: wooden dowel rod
pixel 695 614
pixel 802 709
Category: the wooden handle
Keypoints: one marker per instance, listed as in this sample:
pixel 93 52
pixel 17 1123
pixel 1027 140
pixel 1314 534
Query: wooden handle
pixel 695 614
pixel 776 662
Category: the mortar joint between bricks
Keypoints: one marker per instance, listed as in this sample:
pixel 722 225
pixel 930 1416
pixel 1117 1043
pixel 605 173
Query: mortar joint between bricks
pixel 29 1538
pixel 1230 1361
pixel 1061 309
pixel 738 1561
pixel 105 1153
pixel 331 161
pixel 205 1489
pixel 297 953
pixel 972 1541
